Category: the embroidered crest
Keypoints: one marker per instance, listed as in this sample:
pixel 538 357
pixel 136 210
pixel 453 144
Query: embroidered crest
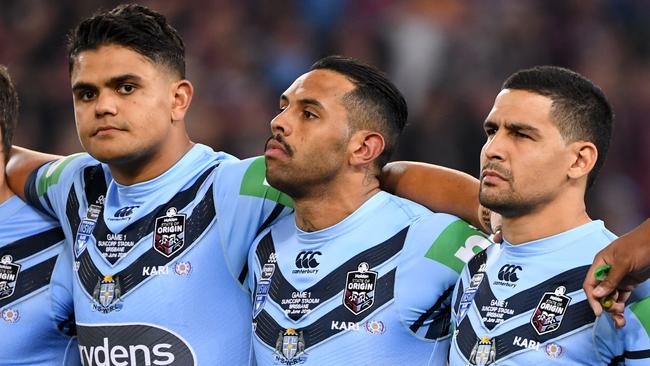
pixel 484 352
pixel 290 347
pixel 107 295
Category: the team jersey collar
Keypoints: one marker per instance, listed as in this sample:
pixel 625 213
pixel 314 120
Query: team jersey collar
pixel 345 225
pixel 9 207
pixel 187 166
pixel 555 242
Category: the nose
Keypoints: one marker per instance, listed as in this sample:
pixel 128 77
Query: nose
pixel 494 148
pixel 106 104
pixel 281 124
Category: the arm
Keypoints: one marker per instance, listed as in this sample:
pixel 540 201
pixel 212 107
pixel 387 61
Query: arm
pixel 438 188
pixel 629 257
pixel 22 162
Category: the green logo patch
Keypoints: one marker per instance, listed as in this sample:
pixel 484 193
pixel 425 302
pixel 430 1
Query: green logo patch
pixel 254 184
pixel 641 310
pixel 53 173
pixel 457 244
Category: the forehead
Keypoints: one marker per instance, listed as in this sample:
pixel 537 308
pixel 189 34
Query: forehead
pixel 521 106
pixel 322 85
pixel 108 61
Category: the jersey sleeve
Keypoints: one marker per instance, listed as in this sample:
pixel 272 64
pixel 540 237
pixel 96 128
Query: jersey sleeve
pixel 47 187
pixel 629 345
pixel 428 274
pixel 246 204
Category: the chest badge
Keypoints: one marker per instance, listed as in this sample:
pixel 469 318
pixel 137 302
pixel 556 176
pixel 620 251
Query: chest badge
pixel 290 347
pixel 169 232
pixel 360 286
pixel 484 352
pixel 468 296
pixel 550 311
pixel 86 227
pixel 8 276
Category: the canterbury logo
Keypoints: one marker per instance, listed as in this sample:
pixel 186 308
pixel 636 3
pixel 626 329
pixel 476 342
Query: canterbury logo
pixel 125 211
pixel 307 259
pixel 509 273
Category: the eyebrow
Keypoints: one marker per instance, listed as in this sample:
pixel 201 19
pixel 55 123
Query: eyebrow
pixel 304 101
pixel 115 80
pixel 514 126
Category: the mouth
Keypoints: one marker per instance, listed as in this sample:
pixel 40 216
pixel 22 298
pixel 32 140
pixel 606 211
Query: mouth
pixel 105 130
pixel 490 175
pixel 276 147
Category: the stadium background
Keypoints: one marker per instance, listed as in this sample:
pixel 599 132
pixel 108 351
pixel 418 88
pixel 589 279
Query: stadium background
pixel 449 57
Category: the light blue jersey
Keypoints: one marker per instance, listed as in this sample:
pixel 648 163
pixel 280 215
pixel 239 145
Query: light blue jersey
pixel 629 345
pixel 374 289
pixel 36 317
pixel 524 304
pixel 159 265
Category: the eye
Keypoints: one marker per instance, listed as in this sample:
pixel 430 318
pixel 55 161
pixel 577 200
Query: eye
pixel 309 115
pixel 86 95
pixel 521 135
pixel 126 89
pixel 490 131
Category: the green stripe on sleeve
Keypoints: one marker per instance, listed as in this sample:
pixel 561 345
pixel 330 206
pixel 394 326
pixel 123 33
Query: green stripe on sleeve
pixel 456 245
pixel 53 172
pixel 254 184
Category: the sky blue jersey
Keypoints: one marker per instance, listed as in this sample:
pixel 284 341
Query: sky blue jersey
pixel 374 289
pixel 524 304
pixel 629 345
pixel 159 265
pixel 36 317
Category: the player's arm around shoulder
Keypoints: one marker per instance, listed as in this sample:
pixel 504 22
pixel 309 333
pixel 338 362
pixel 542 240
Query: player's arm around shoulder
pixel 437 248
pixel 42 180
pixel 243 195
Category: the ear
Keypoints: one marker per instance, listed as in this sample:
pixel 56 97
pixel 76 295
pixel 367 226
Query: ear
pixel 366 146
pixel 181 97
pixel 584 156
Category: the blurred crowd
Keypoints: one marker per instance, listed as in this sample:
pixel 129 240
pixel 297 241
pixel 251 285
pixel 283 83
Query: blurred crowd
pixel 449 57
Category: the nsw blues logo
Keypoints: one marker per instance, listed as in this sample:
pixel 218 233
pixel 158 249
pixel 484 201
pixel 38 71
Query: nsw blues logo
pixel 107 295
pixel 86 227
pixel 290 347
pixel 8 276
pixel 169 232
pixel 264 284
pixel 468 296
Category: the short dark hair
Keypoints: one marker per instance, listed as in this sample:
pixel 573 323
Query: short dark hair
pixel 375 102
pixel 579 107
pixel 8 110
pixel 133 26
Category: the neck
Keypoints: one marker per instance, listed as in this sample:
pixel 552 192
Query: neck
pixel 545 221
pixel 149 166
pixel 5 192
pixel 328 205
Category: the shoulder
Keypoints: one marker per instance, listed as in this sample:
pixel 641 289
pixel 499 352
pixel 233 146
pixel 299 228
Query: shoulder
pixel 62 171
pixel 248 178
